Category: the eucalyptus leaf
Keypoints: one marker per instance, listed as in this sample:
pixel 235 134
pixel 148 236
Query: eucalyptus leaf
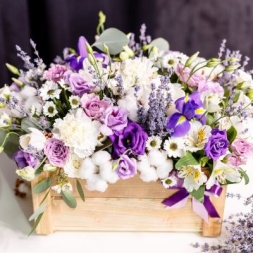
pixel 161 44
pixel 114 39
pixel 244 175
pixel 39 211
pixel 42 185
pixel 11 145
pixel 231 134
pixel 185 160
pixel 80 189
pixel 26 123
pixel 69 198
pixel 199 194
pixel 36 223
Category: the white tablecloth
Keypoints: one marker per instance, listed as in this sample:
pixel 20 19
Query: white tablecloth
pixel 14 227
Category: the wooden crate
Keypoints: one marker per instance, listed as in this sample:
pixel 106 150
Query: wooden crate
pixel 128 205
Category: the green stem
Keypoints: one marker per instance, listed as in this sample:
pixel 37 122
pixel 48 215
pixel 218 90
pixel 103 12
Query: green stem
pixel 66 99
pixel 7 136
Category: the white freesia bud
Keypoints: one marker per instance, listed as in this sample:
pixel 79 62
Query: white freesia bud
pixel 49 167
pixel 27 173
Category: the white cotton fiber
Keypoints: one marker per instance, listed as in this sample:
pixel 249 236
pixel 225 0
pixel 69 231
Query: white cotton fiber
pixel 149 174
pixel 164 169
pixel 107 173
pixel 87 169
pixel 96 183
pixel 142 163
pixel 156 157
pixel 100 157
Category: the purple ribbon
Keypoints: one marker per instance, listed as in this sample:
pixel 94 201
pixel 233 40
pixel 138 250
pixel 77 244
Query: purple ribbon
pixel 204 210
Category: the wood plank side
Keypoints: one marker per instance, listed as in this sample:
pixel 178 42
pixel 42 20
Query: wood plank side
pixel 46 223
pixel 214 225
pixel 123 214
pixel 130 188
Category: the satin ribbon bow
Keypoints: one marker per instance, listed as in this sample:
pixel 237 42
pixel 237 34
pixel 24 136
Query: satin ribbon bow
pixel 204 209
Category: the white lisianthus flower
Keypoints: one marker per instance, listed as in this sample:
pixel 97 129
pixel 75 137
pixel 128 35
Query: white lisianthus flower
pixel 34 140
pixel 49 167
pixel 27 91
pixel 49 109
pixel 197 137
pixel 193 177
pixel 222 172
pixel 49 90
pixel 153 142
pixel 211 101
pixel 78 132
pixel 174 147
pixel 5 120
pixel 27 173
pixel 74 101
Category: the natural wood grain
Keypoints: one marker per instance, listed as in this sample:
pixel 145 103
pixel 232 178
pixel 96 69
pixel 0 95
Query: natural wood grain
pixel 214 225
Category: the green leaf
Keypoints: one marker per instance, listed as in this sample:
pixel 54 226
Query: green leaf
pixel 39 170
pixel 114 39
pixel 36 223
pixel 199 194
pixel 203 161
pixel 42 185
pixel 231 134
pixel 39 211
pixel 107 143
pixel 161 44
pixel 244 175
pixel 80 190
pixel 11 145
pixel 26 123
pixel 185 160
pixel 69 198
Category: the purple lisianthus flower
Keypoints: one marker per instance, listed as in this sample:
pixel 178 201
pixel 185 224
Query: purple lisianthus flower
pixel 24 159
pixel 56 152
pixel 93 106
pixel 132 137
pixel 127 167
pixel 114 119
pixel 217 144
pixel 79 85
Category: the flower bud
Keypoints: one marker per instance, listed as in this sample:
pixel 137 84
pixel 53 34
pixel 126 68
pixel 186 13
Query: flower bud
pixel 191 59
pixel 12 69
pixel 89 48
pixel 233 59
pixel 91 59
pixel 213 62
pixel 106 49
pixel 232 68
pixel 123 56
pixel 18 82
pixel 129 51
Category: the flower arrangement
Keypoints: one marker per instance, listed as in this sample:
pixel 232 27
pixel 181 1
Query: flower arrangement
pixel 130 109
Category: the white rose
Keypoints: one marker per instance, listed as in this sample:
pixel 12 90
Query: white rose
pixel 211 102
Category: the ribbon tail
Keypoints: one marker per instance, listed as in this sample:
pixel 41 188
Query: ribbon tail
pixel 210 208
pixel 177 200
pixel 200 209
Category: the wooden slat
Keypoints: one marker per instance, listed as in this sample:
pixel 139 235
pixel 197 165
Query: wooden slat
pixel 122 214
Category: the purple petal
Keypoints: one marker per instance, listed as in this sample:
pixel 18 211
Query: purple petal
pixel 82 46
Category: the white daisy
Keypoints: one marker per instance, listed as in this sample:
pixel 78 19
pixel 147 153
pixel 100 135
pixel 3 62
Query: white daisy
pixel 153 142
pixel 49 109
pixel 74 101
pixel 50 90
pixel 174 147
pixel 169 61
pixel 193 177
pixel 168 182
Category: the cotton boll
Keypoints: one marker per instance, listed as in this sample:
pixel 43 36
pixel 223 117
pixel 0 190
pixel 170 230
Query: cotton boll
pixel 149 174
pixel 164 169
pixel 130 104
pixel 107 173
pixel 100 157
pixel 156 157
pixel 142 163
pixel 96 183
pixel 88 168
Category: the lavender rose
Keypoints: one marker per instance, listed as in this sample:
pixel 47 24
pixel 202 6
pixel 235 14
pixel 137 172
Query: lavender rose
pixel 24 159
pixel 217 144
pixel 127 167
pixel 114 119
pixel 79 85
pixel 55 73
pixel 93 106
pixel 56 152
pixel 241 147
pixel 132 137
